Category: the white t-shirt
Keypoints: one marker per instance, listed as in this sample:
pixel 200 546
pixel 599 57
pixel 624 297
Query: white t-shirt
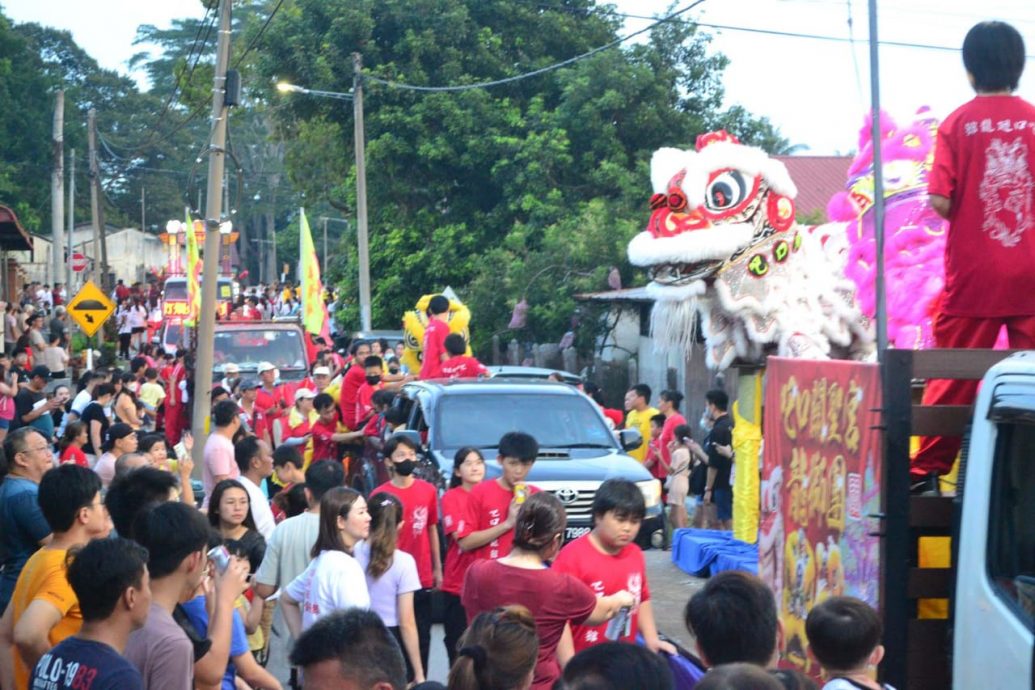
pixel 400 578
pixel 260 505
pixel 81 400
pixel 845 684
pixel 137 317
pixel 287 550
pixel 332 582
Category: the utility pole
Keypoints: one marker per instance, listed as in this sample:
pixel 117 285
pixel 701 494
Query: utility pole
pixel 71 221
pixel 323 269
pixel 143 213
pixel 207 317
pixel 100 240
pixel 57 188
pixel 361 193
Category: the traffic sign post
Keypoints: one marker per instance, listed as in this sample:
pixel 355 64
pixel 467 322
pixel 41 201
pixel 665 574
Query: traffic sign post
pixel 78 262
pixel 90 308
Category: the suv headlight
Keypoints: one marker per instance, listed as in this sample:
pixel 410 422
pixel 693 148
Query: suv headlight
pixel 651 492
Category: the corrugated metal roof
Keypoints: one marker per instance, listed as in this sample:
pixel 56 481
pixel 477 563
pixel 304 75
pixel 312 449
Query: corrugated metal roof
pixel 818 178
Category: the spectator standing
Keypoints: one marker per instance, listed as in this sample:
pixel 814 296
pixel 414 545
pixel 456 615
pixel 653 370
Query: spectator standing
pixel 392 579
pixel 230 514
pixel 493 506
pixel 498 652
pixel 175 405
pixel 718 445
pixel 435 333
pixel 31 406
pixel 349 650
pixel 133 493
pixel 419 536
pixel 733 619
pixel 58 325
pixel 468 472
pixel 121 439
pixel 11 330
pixel 459 365
pixel 97 421
pixel 334 579
pixel 255 462
pixel 678 482
pixel 638 416
pixel 668 404
pixel 270 398
pixel 355 377
pixel 44 609
pixel 219 458
pixel 55 358
pixel 252 418
pixel 71 445
pixel 176 538
pixel 287 469
pixel 523 577
pixel 8 391
pixel 37 340
pixel 844 635
pixel 608 560
pixel 110 581
pixel 27 458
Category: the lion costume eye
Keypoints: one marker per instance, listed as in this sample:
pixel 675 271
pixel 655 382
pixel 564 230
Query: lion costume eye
pixel 726 191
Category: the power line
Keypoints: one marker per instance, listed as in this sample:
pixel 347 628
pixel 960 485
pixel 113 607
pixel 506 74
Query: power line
pixel 533 73
pixel 258 36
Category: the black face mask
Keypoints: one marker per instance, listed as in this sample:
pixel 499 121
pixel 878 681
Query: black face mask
pixel 405 467
pixel 373 380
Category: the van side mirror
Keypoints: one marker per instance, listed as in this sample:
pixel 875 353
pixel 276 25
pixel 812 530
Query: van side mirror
pixel 631 439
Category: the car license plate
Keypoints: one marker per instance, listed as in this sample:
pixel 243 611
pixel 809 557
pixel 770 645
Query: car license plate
pixel 571 533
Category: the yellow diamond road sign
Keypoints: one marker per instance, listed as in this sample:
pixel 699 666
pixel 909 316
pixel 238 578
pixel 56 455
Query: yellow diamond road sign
pixel 90 308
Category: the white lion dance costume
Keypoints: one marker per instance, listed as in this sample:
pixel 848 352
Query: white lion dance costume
pixel 722 244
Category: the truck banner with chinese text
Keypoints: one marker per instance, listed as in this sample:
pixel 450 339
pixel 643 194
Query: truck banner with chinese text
pixel 821 479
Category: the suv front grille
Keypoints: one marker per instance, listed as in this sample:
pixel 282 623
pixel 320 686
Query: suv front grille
pixel 576 497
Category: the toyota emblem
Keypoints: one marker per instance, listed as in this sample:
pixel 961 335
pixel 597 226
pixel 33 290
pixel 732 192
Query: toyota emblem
pixel 567 496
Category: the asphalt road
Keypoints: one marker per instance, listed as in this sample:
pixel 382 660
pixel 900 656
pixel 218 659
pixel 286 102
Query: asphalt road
pixel 670 590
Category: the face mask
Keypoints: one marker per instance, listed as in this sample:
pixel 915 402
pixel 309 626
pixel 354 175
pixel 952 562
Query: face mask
pixel 373 380
pixel 706 421
pixel 405 467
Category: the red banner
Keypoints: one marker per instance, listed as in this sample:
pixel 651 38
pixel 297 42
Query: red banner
pixel 821 479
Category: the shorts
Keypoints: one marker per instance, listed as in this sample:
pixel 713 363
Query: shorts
pixel 139 329
pixel 722 497
pixel 5 423
pixel 677 489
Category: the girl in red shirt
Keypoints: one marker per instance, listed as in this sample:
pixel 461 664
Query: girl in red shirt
pixel 72 443
pixel 468 470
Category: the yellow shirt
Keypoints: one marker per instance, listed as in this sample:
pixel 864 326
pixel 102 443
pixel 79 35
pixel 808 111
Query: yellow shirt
pixel 43 579
pixel 641 421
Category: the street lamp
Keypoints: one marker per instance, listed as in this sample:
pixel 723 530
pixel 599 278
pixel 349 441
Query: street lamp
pixel 356 96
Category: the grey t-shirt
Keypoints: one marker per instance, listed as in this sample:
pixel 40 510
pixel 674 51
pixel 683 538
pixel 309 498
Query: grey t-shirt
pixel 162 652
pixel 287 550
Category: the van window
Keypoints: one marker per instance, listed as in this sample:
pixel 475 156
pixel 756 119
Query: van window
pixel 247 348
pixel 1011 539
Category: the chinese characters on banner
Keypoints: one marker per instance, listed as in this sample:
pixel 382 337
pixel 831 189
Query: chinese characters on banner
pixel 821 479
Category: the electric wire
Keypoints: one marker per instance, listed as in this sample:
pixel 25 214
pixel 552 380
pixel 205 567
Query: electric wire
pixel 258 36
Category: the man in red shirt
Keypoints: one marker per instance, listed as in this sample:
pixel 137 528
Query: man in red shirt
pixel 351 382
pixel 434 350
pixel 982 181
pixel 270 398
pixel 326 432
pixel 419 534
pixel 254 419
pixel 373 371
pixel 459 365
pixel 608 561
pixel 494 505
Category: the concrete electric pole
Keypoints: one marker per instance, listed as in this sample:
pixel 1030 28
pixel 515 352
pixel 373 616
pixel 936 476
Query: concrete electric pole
pixel 57 190
pixel 100 231
pixel 214 204
pixel 361 193
pixel 71 222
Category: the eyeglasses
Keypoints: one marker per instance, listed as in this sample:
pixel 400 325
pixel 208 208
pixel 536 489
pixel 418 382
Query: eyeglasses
pixel 36 450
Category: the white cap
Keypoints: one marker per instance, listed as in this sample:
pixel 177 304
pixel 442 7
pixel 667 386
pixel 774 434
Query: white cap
pixel 231 367
pixel 322 371
pixel 303 393
pixel 265 366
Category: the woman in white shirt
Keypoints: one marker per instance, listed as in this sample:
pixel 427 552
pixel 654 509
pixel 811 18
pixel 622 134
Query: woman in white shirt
pixel 137 323
pixel 392 579
pixel 334 580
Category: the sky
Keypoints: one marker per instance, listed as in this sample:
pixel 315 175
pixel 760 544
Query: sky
pixel 816 92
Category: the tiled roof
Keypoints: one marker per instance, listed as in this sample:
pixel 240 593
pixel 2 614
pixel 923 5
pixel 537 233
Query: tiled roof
pixel 818 178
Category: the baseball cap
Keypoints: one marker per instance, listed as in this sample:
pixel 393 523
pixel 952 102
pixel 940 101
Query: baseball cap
pixel 231 368
pixel 302 393
pixel 322 371
pixel 250 384
pixel 41 371
pixel 265 366
pixel 115 432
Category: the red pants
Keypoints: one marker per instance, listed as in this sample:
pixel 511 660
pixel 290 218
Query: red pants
pixel 937 453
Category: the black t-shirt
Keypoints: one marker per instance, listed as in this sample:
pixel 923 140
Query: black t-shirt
pixel 94 413
pixel 78 663
pixel 720 435
pixel 24 401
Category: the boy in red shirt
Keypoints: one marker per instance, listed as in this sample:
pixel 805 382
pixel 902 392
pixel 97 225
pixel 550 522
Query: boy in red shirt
pixel 351 383
pixel 327 431
pixel 374 369
pixel 982 182
pixel 419 533
pixel 434 352
pixel 608 560
pixel 494 505
pixel 459 365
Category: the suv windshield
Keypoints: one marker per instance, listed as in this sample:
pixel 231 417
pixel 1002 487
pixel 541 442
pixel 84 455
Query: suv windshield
pixel 247 348
pixel 556 421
